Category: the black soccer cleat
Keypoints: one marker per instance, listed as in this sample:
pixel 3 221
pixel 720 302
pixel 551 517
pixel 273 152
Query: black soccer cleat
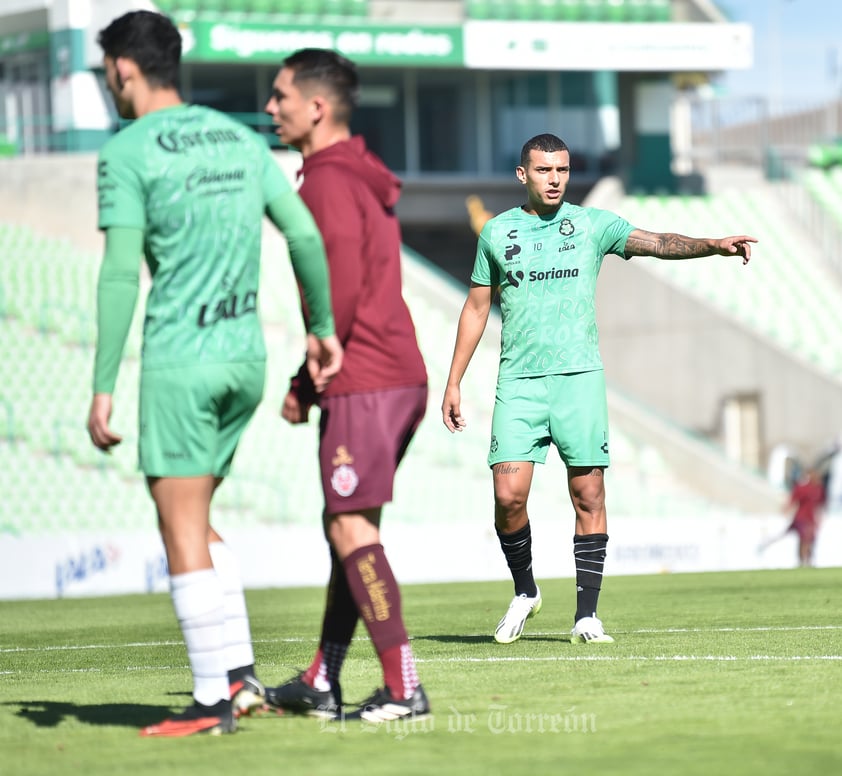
pixel 382 707
pixel 298 697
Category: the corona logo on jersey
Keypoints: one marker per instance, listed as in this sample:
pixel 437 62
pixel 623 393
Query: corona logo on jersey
pixel 180 142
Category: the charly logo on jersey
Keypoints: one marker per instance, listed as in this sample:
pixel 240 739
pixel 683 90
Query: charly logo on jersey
pixel 344 479
pixel 105 184
pixel 513 249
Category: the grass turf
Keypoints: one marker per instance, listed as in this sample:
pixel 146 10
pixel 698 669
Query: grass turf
pixel 738 672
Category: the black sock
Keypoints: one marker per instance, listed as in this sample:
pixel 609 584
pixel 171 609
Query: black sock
pixel 517 547
pixel 589 555
pixel 235 674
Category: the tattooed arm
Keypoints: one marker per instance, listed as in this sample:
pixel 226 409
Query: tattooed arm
pixel 668 245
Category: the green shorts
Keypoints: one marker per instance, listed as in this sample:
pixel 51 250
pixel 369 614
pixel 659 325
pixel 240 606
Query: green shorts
pixel 570 411
pixel 192 417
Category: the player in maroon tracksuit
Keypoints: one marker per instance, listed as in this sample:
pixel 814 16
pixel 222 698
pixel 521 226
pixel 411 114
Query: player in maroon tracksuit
pixel 372 409
pixel 807 498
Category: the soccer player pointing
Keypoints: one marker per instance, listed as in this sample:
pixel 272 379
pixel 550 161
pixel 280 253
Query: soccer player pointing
pixel 544 258
pixel 188 187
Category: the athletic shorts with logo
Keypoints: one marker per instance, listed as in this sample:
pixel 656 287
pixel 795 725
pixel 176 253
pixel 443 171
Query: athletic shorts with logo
pixel 362 439
pixel 567 410
pixel 192 417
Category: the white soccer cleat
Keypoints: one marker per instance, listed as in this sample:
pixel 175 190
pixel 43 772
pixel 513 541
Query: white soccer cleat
pixel 589 630
pixel 521 608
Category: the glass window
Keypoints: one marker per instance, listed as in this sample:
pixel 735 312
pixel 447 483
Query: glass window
pixel 379 116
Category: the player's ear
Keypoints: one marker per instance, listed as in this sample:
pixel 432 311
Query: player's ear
pixel 521 173
pixel 318 106
pixel 124 70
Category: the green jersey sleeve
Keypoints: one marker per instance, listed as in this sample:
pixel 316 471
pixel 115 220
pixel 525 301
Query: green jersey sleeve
pixel 119 189
pixel 613 230
pixel 117 292
pixel 485 271
pixel 309 261
pixel 274 182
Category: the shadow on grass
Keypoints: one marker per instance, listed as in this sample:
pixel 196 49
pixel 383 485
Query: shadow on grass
pixel 51 713
pixel 455 638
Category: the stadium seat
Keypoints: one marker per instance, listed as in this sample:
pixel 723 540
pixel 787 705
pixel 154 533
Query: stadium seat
pixel 547 10
pixel 570 10
pixel 262 7
pixel 330 8
pixel 356 8
pixel 185 6
pixel 594 10
pixel 213 6
pixel 660 10
pixel 478 9
pixel 638 10
pixel 614 11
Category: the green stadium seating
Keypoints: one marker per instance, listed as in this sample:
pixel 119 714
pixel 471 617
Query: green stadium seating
pixel 547 10
pixel 478 9
pixel 213 6
pixel 303 9
pixel 570 10
pixel 54 480
pixel 801 312
pixel 186 6
pixel 660 10
pixel 614 11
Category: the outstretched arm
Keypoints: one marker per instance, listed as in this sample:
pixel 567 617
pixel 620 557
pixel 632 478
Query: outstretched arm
pixel 671 246
pixel 472 323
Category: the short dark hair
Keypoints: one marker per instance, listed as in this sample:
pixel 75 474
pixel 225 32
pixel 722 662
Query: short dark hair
pixel 546 142
pixel 331 70
pixel 149 39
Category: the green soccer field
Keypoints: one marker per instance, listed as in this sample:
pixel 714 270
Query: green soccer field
pixel 737 673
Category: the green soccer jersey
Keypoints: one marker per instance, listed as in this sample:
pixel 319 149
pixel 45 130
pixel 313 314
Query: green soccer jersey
pixel 196 183
pixel 546 268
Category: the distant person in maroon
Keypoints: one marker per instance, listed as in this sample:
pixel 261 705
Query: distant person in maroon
pixel 372 409
pixel 807 498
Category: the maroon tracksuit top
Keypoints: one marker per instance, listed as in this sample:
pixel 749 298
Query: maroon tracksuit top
pixel 352 194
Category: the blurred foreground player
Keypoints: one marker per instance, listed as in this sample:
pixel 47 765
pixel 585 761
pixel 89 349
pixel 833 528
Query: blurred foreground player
pixel 544 258
pixel 188 187
pixel 371 411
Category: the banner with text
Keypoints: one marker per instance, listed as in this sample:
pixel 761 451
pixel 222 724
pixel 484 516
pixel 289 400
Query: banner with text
pixel 206 41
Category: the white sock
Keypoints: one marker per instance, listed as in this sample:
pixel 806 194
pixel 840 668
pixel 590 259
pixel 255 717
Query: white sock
pixel 197 599
pixel 238 647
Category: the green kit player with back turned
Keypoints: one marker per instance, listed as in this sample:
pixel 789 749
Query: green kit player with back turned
pixel 187 187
